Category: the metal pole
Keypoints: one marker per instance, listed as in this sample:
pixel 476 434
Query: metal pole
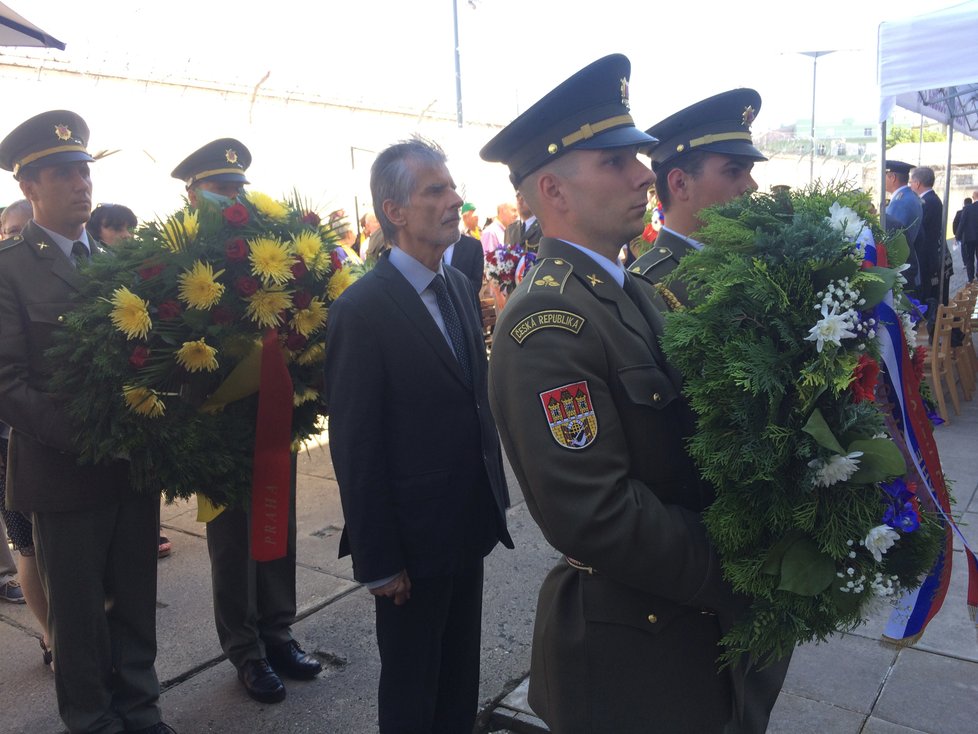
pixel 883 174
pixel 947 202
pixel 811 166
pixel 458 68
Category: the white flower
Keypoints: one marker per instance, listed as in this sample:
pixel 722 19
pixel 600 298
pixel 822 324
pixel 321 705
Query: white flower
pixel 846 221
pixel 880 540
pixel 832 328
pixel 837 469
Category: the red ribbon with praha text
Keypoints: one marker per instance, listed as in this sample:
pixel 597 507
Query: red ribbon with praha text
pixel 272 472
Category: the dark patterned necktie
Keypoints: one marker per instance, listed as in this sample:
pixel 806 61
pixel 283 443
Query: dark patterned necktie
pixel 452 325
pixel 79 253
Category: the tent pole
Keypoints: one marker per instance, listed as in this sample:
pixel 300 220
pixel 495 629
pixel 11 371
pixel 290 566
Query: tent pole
pixel 883 174
pixel 942 296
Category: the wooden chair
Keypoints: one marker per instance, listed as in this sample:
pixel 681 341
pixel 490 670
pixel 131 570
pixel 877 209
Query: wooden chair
pixel 939 367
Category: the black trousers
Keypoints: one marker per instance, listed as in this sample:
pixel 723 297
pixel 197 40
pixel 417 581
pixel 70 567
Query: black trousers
pixel 968 253
pixel 430 650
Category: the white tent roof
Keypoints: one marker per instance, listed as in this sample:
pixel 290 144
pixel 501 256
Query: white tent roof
pixel 929 64
pixel 16 30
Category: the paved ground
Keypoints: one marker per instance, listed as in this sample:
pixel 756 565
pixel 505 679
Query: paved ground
pixel 852 684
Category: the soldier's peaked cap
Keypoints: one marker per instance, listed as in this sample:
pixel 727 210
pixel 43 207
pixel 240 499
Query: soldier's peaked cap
pixel 718 124
pixel 47 139
pixel 898 167
pixel 224 159
pixel 588 111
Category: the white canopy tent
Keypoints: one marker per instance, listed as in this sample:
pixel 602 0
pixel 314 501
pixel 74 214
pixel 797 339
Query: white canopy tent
pixel 15 30
pixel 928 64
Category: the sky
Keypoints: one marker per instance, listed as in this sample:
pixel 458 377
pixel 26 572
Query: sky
pixel 401 54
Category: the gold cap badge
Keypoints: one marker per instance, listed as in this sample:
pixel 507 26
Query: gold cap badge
pixel 63 132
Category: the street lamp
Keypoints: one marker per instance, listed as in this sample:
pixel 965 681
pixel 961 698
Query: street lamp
pixel 814 55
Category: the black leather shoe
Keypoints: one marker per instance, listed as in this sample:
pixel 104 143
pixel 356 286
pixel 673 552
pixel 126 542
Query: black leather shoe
pixel 261 682
pixel 158 728
pixel 289 659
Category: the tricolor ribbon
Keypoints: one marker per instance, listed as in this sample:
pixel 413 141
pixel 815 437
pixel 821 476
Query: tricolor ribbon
pixel 911 428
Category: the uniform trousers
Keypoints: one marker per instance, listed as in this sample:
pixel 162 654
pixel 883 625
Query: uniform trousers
pixel 254 602
pixel 98 568
pixel 430 649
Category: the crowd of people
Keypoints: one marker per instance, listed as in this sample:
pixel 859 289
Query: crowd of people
pixel 579 394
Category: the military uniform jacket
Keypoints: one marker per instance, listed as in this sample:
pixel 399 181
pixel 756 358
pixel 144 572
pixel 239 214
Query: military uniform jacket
pixel 662 259
pixel 591 416
pixel 37 286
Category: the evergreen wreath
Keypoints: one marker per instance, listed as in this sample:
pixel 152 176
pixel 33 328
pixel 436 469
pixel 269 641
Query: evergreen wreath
pixel 778 347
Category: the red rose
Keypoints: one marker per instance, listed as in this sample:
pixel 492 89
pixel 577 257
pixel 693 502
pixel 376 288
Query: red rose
pixel 881 256
pixel 299 268
pixel 863 384
pixel 295 341
pixel 335 258
pixel 169 310
pixel 221 315
pixel 302 299
pixel 236 250
pixel 649 233
pixel 150 271
pixel 246 285
pixel 311 218
pixel 138 357
pixel 236 215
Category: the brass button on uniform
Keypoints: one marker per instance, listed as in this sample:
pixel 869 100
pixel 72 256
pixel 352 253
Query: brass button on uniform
pixel 656 398
pixel 653 619
pixel 61 319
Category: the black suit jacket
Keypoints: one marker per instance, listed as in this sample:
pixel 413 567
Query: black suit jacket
pixel 469 258
pixel 414 447
pixel 968 225
pixel 933 238
pixel 38 284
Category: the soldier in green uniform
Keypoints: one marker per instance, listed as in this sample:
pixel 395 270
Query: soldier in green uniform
pixel 704 157
pixel 592 419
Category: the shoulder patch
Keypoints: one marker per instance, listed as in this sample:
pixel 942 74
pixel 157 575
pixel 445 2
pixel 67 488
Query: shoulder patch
pixel 650 259
pixel 547 319
pixel 573 422
pixel 551 272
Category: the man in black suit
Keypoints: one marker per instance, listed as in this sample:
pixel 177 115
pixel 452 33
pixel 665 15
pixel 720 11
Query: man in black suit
pixel 525 231
pixel 934 243
pixel 969 245
pixel 95 538
pixel 415 448
pixel 466 255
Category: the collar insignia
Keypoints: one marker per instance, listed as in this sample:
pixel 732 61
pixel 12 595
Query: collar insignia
pixel 594 280
pixel 624 93
pixel 62 131
pixel 42 245
pixel 749 114
pixel 231 156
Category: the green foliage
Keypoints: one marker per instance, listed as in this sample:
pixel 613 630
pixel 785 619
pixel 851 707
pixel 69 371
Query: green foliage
pixel 773 409
pixel 896 134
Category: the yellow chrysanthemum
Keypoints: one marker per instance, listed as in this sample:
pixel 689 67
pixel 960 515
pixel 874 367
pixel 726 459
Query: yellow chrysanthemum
pixel 266 306
pixel 339 282
pixel 266 205
pixel 309 247
pixel 180 230
pixel 315 353
pixel 199 287
pixel 308 320
pixel 270 260
pixel 143 401
pixel 304 396
pixel 197 356
pixel 130 314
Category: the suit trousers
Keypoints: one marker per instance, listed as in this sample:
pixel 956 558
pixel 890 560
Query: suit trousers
pixel 430 649
pixel 254 602
pixel 98 567
pixel 8 566
pixel 969 249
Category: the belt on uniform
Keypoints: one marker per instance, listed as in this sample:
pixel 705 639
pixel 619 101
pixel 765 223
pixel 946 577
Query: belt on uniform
pixel 574 563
